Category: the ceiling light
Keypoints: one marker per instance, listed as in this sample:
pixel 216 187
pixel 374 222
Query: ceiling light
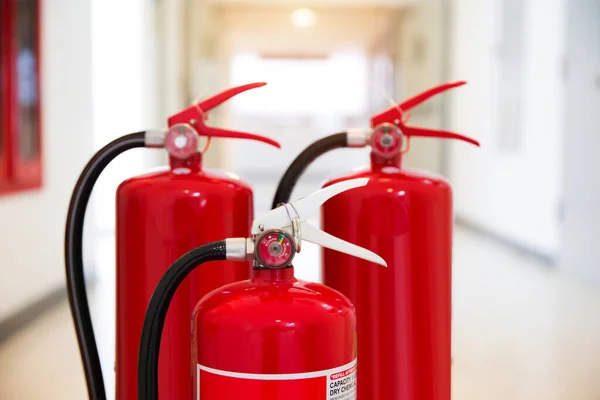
pixel 304 17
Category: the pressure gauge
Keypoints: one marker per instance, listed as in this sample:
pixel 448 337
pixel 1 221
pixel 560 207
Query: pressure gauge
pixel 275 249
pixel 386 140
pixel 182 141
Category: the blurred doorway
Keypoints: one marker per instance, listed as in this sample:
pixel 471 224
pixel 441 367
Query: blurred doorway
pixel 328 72
pixel 307 98
pixel 325 74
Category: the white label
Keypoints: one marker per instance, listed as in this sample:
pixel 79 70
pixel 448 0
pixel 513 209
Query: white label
pixel 332 384
pixel 342 384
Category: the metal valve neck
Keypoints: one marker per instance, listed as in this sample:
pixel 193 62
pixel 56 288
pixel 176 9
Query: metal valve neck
pixel 266 275
pixel 257 266
pixel 187 165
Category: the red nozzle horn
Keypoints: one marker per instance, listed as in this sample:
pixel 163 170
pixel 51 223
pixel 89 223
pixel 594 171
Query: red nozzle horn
pixel 395 115
pixel 197 113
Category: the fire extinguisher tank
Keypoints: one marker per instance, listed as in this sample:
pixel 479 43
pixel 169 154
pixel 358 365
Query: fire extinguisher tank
pixel 403 312
pixel 271 337
pixel 271 326
pixel 406 217
pixel 153 229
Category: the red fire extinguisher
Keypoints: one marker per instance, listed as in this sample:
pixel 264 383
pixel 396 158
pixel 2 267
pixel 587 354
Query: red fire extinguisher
pixel 159 217
pixel 272 337
pixel 404 311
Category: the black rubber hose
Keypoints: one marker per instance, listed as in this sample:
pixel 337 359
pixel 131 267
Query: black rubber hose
pixel 299 165
pixel 157 312
pixel 74 258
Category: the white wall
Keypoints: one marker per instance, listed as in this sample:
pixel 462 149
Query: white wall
pixel 206 59
pixel 515 193
pixel 125 92
pixel 31 238
pixel 580 253
pixel 420 66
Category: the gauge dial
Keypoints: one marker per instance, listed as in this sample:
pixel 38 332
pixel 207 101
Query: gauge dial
pixel 275 249
pixel 386 140
pixel 182 141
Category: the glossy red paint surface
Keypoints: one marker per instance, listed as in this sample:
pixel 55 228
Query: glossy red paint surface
pixel 403 311
pixel 273 324
pixel 160 216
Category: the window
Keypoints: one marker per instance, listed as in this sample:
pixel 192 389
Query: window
pixel 20 126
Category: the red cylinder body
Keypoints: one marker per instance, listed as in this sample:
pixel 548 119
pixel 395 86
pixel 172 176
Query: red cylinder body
pixel 161 216
pixel 404 310
pixel 274 338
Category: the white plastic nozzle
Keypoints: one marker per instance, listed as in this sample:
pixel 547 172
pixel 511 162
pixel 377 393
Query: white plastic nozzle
pixel 282 218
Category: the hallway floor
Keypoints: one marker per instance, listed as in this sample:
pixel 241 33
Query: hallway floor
pixel 521 332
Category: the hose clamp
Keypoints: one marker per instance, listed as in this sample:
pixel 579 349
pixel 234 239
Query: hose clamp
pixel 155 138
pixel 358 137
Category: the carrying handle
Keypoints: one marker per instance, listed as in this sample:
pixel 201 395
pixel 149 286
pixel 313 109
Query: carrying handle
pixel 196 115
pixel 312 234
pixel 398 116
pixel 291 216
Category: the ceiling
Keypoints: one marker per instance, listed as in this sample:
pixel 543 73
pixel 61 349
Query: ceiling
pixel 318 3
pixel 269 29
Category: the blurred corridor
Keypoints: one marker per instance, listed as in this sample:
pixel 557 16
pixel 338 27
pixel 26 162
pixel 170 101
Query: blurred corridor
pixel 526 262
